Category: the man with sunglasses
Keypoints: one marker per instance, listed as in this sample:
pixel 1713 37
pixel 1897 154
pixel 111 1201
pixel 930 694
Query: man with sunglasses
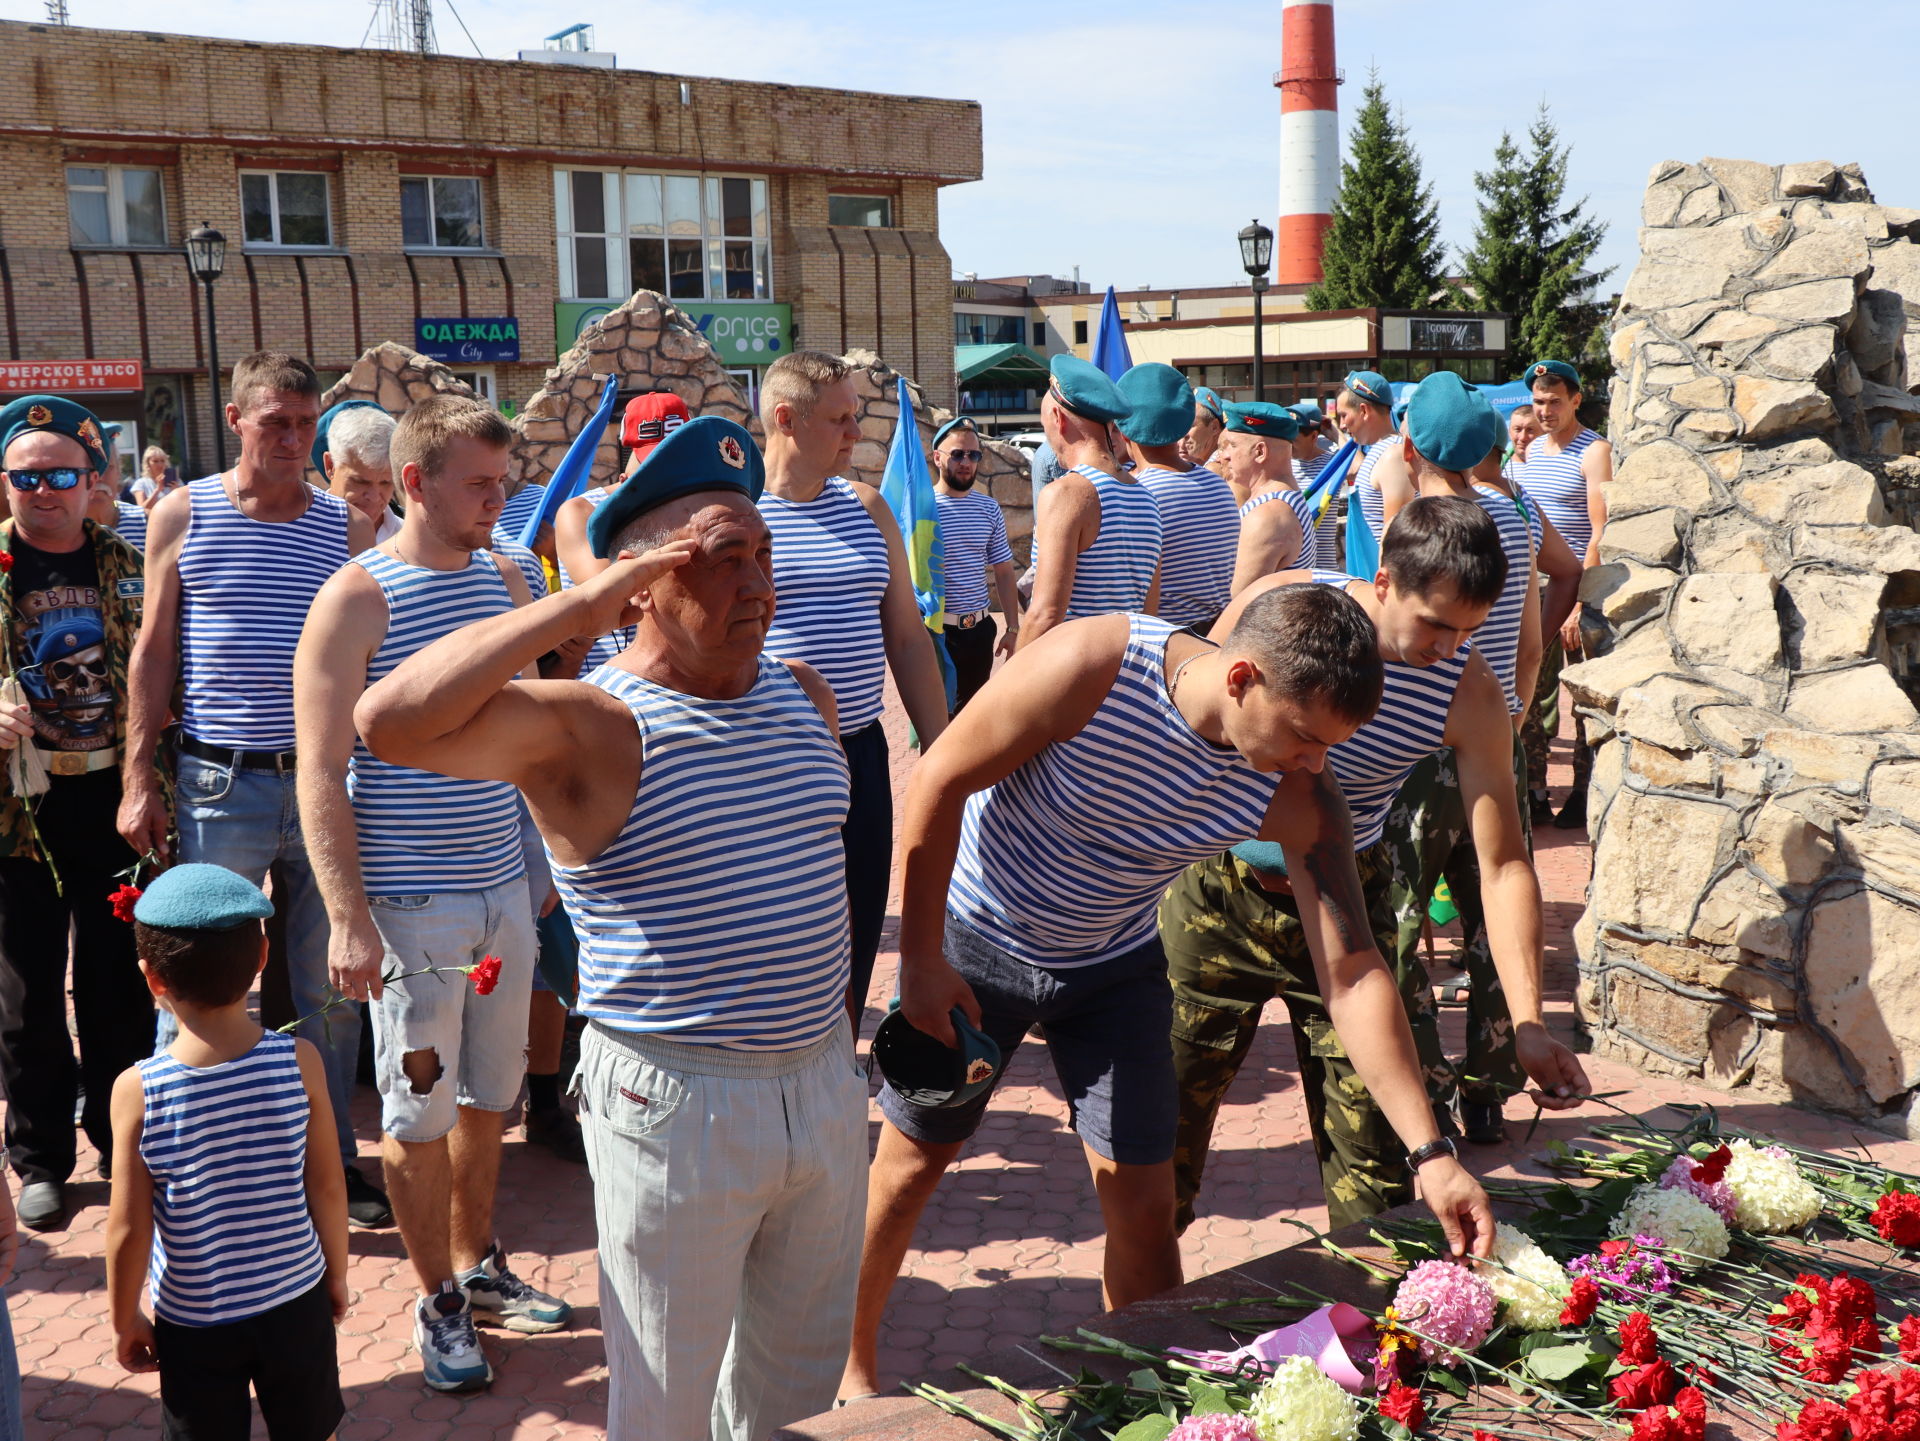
pixel 973 540
pixel 71 593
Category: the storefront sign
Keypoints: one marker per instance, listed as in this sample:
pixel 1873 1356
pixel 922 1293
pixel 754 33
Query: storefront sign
pixel 480 340
pixel 741 332
pixel 57 377
pixel 1447 335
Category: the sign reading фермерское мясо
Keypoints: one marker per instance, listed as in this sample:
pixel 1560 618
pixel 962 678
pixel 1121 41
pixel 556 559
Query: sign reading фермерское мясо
pixel 474 340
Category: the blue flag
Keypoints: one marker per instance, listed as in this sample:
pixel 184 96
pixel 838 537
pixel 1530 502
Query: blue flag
pixel 907 488
pixel 570 476
pixel 1363 549
pixel 1110 351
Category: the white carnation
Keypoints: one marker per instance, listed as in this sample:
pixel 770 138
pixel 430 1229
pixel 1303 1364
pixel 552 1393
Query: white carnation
pixel 1770 1196
pixel 1531 1286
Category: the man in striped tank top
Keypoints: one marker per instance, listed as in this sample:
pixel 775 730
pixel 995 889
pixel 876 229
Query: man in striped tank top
pixel 691 796
pixel 422 872
pixel 1233 927
pixel 1275 529
pixel 1364 408
pixel 1039 837
pixel 1097 536
pixel 1566 472
pixel 1203 439
pixel 233 564
pixel 847 609
pixel 1200 523
pixel 973 543
pixel 1311 456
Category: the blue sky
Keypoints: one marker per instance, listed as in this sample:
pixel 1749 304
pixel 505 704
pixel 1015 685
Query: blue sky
pixel 1134 139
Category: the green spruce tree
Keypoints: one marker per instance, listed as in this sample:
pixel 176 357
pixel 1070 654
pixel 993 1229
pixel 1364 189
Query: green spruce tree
pixel 1530 253
pixel 1383 247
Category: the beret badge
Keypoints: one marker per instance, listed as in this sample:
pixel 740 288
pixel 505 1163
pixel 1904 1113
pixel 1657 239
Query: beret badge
pixel 39 415
pixel 732 452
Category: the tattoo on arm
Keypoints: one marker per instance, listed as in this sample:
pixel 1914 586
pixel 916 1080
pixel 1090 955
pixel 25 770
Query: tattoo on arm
pixel 1330 865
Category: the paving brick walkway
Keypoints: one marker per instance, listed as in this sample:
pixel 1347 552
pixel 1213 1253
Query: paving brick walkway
pixel 1010 1248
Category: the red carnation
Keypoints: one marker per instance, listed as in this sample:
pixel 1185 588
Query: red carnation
pixel 1581 1301
pixel 1909 1337
pixel 1638 1345
pixel 1405 1405
pixel 1613 1248
pixel 1885 1405
pixel 1819 1420
pixel 1691 1407
pixel 1644 1386
pixel 486 976
pixel 1656 1423
pixel 1686 1421
pixel 1714 1168
pixel 6 561
pixel 122 901
pixel 1897 1218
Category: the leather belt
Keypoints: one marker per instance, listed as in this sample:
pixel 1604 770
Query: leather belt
pixel 79 763
pixel 968 622
pixel 281 761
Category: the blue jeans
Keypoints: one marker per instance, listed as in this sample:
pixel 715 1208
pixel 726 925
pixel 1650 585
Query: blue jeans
pixel 246 820
pixel 10 1423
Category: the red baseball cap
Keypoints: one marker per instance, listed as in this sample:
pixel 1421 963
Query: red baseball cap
pixel 650 418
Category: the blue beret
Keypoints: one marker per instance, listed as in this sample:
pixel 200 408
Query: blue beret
pixel 1308 414
pixel 326 424
pixel 1263 418
pixel 1162 402
pixel 199 897
pixel 1451 423
pixel 1540 369
pixel 1370 385
pixel 62 417
pixel 1084 389
pixel 709 453
pixel 1206 395
pixel 957 423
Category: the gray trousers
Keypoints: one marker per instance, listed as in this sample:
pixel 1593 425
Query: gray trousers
pixel 729 1188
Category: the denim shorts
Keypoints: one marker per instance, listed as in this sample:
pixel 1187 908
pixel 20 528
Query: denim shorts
pixel 480 1042
pixel 1107 1027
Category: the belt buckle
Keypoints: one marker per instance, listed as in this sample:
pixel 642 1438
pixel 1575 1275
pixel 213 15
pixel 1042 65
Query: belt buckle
pixel 968 622
pixel 68 763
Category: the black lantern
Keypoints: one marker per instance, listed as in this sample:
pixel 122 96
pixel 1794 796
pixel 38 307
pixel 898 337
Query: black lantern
pixel 207 257
pixel 1256 254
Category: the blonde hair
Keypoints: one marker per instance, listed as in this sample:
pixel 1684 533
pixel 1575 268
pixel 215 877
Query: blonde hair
pixel 424 434
pixel 796 380
pixel 150 452
pixel 272 370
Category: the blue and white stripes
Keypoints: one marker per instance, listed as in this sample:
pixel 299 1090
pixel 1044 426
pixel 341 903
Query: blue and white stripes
pixel 519 510
pixel 524 560
pixel 1326 528
pixel 1200 531
pixel 130 524
pixel 226 1146
pixel 973 536
pixel 606 647
pixel 718 915
pixel 1555 483
pixel 1498 638
pixel 1115 573
pixel 1372 502
pixel 1305 558
pixel 245 589
pixel 830 570
pixel 422 833
pixel 1063 862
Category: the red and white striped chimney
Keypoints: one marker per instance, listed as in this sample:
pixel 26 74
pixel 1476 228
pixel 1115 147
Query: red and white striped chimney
pixel 1309 139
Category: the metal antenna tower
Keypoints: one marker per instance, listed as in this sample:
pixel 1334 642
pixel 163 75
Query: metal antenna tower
pixel 57 12
pixel 403 25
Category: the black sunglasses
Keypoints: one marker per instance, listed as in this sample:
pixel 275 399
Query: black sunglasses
pixel 64 478
pixel 973 455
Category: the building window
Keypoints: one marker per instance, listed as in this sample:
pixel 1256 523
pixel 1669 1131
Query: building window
pixel 115 205
pixel 1039 335
pixel 285 207
pixel 872 210
pixel 987 329
pixel 690 237
pixel 1079 332
pixel 441 212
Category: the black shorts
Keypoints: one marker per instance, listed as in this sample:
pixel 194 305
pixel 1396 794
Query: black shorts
pixel 287 1356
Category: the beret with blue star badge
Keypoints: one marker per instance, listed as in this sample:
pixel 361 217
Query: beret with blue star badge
pixel 710 453
pixel 1450 423
pixel 1262 418
pixel 200 897
pixel 1162 401
pixel 1084 389
pixel 62 417
pixel 1555 369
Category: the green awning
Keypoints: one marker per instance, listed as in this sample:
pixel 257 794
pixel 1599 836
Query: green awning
pixel 999 367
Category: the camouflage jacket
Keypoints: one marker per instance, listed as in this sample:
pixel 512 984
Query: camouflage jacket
pixel 122 592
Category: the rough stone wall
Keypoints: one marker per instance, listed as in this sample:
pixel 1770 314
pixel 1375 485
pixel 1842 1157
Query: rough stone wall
pixel 1754 915
pixel 394 378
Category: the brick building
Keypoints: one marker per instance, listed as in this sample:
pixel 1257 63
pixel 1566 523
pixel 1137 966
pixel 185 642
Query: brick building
pixel 363 192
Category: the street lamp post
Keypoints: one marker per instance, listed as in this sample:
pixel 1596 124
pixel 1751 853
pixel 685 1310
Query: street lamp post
pixel 207 257
pixel 1256 254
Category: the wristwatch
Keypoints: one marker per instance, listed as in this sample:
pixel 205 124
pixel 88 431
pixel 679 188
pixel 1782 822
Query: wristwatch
pixel 1419 1157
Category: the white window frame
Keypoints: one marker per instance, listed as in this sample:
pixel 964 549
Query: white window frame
pixel 617 235
pixel 117 207
pixel 479 379
pixel 273 206
pixel 433 242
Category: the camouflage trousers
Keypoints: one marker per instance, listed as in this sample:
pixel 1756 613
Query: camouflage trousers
pixel 1233 945
pixel 1428 823
pixel 1542 724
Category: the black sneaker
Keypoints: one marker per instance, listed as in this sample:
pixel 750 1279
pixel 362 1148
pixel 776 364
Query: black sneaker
pixel 558 1129
pixel 366 1203
pixel 1573 815
pixel 1483 1122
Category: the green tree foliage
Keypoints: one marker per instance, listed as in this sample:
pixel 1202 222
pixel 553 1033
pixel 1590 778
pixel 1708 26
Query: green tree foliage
pixel 1530 252
pixel 1383 247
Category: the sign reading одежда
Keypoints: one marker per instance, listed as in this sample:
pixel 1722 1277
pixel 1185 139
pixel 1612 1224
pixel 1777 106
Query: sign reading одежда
pixel 468 340
pixel 56 377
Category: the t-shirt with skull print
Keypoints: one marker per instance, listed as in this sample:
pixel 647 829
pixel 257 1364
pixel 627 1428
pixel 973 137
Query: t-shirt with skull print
pixel 59 645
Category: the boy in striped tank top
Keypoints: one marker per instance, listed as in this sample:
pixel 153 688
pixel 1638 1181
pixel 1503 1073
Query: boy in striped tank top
pixel 1236 926
pixel 227 1198
pixel 420 871
pixel 691 796
pixel 1200 522
pixel 1097 536
pixel 1276 531
pixel 233 564
pixel 1038 839
pixel 973 541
